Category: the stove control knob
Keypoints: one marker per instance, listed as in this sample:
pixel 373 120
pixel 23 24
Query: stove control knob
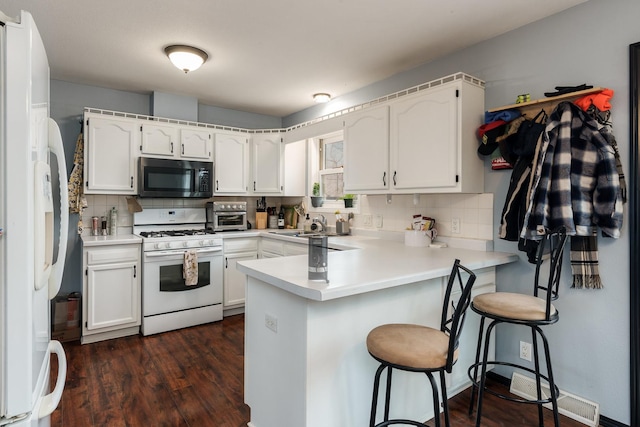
pixel 185 244
pixel 234 207
pixel 156 246
pixel 200 243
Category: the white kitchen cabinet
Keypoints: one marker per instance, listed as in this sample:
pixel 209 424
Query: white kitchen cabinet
pixel 291 249
pixel 429 143
pixel 295 169
pixel 231 170
pixel 236 249
pixel 158 139
pixel 110 153
pixel 366 150
pixel 195 144
pixel 266 163
pixel 167 140
pixel 111 291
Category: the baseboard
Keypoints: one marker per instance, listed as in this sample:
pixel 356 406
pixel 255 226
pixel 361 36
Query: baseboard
pixel 608 422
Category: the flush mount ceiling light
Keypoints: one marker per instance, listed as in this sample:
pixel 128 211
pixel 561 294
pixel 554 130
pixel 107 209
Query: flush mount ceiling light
pixel 186 58
pixel 321 97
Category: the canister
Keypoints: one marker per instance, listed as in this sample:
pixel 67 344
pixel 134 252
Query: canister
pixel 95 226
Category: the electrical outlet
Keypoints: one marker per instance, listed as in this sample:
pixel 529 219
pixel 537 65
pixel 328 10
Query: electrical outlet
pixel 378 221
pixel 271 322
pixel 367 220
pixel 455 225
pixel 525 351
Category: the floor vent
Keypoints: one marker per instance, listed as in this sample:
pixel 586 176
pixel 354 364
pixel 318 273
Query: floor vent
pixel 569 405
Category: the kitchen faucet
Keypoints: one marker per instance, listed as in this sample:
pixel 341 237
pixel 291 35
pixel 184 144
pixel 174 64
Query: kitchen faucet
pixel 320 219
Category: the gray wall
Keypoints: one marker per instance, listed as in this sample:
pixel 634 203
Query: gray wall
pixel 586 44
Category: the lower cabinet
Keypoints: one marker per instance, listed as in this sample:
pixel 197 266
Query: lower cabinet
pixel 235 250
pixel 111 291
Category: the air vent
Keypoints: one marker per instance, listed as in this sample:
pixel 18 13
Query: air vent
pixel 569 405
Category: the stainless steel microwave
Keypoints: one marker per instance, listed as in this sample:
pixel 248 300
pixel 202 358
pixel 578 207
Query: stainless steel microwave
pixel 174 178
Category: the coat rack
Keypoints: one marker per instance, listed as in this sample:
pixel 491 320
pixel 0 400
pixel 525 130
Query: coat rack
pixel 531 108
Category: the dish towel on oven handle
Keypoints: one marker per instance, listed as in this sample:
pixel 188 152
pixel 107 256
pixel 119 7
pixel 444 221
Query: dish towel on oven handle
pixel 190 267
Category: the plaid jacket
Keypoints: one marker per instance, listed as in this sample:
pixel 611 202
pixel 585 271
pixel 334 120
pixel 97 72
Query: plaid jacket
pixel 575 183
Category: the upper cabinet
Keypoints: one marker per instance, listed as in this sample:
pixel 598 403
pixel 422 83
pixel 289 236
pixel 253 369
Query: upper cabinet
pixel 419 143
pixel 195 143
pixel 266 163
pixel 366 150
pixel 110 151
pixel 158 139
pixel 175 141
pixel 231 165
pixel 295 168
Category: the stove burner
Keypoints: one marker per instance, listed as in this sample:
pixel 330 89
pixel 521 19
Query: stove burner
pixel 176 233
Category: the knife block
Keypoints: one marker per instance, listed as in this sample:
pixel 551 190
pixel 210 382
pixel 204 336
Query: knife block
pixel 261 220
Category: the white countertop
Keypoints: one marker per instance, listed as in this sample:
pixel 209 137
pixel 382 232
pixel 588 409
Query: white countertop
pixel 373 264
pixel 118 239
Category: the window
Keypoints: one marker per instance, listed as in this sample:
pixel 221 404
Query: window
pixel 327 155
pixel 331 168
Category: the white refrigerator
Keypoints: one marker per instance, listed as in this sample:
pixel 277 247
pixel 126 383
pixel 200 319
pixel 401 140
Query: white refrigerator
pixel 30 273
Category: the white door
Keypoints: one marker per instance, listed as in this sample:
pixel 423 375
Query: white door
pixel 366 148
pixel 267 163
pixel 195 144
pixel 109 159
pixel 234 281
pixel 113 295
pixel 231 163
pixel 159 139
pixel 424 140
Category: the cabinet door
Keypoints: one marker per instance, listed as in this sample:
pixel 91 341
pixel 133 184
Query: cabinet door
pixel 234 281
pixel 195 144
pixel 158 139
pixel 295 168
pixel 231 163
pixel 424 140
pixel 366 148
pixel 267 163
pixel 110 148
pixel 113 296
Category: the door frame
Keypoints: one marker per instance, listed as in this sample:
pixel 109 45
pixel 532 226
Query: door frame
pixel 634 227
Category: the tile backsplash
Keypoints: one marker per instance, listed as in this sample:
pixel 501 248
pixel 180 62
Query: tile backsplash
pixel 474 211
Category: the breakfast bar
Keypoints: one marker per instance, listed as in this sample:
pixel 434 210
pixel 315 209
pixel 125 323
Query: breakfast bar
pixel 306 362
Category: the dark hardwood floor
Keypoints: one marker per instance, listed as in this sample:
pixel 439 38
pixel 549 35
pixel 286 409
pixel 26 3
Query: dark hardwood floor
pixel 194 377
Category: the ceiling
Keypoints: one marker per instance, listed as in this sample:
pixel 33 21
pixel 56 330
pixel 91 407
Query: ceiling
pixel 265 56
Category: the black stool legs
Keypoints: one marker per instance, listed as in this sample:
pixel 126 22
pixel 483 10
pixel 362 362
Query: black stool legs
pixel 480 383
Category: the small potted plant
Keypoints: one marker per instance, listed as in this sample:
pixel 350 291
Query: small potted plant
pixel 348 200
pixel 316 198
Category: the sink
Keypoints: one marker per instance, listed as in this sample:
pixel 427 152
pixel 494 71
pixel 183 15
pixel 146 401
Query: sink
pixel 293 233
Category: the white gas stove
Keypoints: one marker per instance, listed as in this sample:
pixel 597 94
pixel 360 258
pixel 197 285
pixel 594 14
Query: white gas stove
pixel 169 235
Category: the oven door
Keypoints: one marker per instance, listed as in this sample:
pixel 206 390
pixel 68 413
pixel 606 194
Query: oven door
pixel 230 221
pixel 163 286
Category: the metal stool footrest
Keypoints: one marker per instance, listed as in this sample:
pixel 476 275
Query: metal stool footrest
pixel 476 382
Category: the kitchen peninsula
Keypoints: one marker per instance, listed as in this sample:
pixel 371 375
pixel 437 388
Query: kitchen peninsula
pixel 306 362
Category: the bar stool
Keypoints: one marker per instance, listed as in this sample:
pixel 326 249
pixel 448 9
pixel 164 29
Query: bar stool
pixel 417 348
pixel 525 310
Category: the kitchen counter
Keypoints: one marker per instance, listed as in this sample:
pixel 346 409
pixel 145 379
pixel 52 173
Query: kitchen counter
pixel 371 265
pixel 306 361
pixel 119 239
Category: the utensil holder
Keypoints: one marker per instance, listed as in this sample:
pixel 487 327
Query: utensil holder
pixel 261 220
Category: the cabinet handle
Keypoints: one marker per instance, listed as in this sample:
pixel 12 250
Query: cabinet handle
pixel 226 262
pixel 134 272
pixel 394 178
pixel 131 182
pixel 172 148
pixel 217 188
pixel 254 186
pixel 384 178
pixel 183 149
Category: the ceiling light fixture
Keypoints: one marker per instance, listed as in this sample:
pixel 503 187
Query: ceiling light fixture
pixel 321 97
pixel 186 58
